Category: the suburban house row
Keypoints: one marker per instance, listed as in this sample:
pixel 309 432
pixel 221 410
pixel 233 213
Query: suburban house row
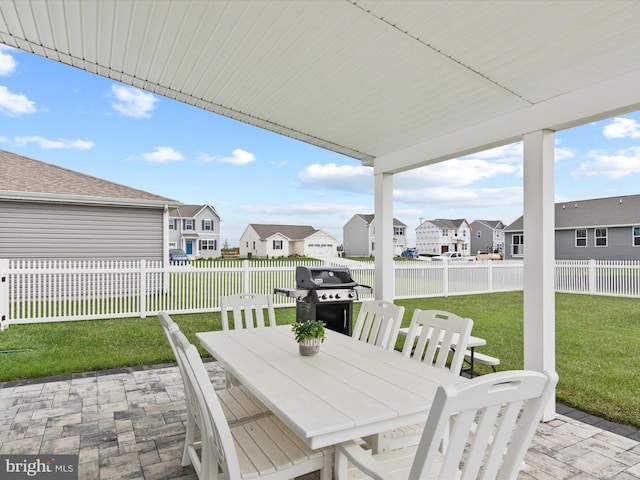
pixel 50 212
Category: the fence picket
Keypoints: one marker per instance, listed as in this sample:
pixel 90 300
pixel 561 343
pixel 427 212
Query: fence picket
pixel 46 291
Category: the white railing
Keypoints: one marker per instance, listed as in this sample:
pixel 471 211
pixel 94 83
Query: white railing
pixel 45 291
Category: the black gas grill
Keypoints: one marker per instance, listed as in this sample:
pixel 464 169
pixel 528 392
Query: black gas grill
pixel 327 294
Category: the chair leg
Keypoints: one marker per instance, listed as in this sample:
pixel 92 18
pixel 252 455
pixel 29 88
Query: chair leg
pixel 188 440
pixel 327 468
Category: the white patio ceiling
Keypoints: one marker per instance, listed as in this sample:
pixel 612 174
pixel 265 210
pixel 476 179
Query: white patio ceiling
pixel 403 82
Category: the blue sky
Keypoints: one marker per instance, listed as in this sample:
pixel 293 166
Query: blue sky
pixel 64 116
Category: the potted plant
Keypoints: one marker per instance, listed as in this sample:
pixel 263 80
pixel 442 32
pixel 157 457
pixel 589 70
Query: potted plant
pixel 309 335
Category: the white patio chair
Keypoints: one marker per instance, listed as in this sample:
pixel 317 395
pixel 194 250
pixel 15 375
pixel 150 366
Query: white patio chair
pixel 430 338
pixel 432 335
pixel 238 404
pixel 264 449
pixel 489 423
pixel 248 311
pixel 378 323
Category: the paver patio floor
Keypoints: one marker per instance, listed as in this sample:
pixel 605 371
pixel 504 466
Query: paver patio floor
pixel 129 424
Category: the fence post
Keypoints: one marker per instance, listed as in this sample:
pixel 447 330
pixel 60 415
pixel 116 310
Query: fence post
pixel 592 275
pixel 245 276
pixel 143 289
pixel 490 269
pixel 445 280
pixel 4 294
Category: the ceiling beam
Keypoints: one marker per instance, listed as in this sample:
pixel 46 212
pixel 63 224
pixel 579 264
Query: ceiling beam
pixel 613 97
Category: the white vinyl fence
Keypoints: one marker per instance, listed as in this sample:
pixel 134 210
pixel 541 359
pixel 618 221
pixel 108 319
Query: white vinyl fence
pixel 46 291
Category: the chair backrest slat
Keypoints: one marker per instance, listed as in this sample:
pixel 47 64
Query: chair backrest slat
pixel 378 323
pixel 432 336
pixel 247 311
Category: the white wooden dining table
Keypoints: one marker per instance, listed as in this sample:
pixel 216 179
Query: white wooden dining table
pixel 349 390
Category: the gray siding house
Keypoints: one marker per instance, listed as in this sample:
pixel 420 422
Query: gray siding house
pixel 487 236
pixel 49 212
pixel 196 230
pixel 599 229
pixel 358 235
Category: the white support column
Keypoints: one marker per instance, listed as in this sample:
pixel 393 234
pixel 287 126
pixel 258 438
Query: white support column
pixel 384 263
pixel 539 255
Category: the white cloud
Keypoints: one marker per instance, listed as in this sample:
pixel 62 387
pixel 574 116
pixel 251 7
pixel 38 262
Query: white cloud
pixel 614 166
pixel 239 157
pixel 15 103
pixel 468 198
pixel 162 155
pixel 505 153
pixel 350 178
pixel 622 128
pixel 58 144
pixel 132 102
pixel 206 158
pixel 455 172
pixel 303 209
pixel 7 62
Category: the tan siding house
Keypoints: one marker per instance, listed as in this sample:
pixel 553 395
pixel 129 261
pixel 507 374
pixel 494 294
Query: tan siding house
pixel 269 241
pixel 49 212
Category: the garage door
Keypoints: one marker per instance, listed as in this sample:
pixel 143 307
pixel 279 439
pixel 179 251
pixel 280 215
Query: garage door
pixel 321 250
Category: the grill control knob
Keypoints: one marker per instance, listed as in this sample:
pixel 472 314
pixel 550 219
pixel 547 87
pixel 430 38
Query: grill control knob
pixel 350 295
pixel 324 296
pixel 337 296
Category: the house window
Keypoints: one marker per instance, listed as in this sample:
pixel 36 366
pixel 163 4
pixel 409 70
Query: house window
pixel 581 237
pixel 445 233
pixel 172 224
pixel 207 225
pixel 398 230
pixel 517 245
pixel 188 224
pixel 277 244
pixel 601 237
pixel 636 236
pixel 208 245
pixel 479 234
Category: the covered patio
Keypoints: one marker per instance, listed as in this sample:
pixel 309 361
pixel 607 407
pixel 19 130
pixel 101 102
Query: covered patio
pixel 393 85
pixel 131 424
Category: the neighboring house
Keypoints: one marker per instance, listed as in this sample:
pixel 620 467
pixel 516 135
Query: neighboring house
pixel 487 236
pixel 600 229
pixel 359 236
pixel 269 241
pixel 434 237
pixel 196 230
pixel 49 212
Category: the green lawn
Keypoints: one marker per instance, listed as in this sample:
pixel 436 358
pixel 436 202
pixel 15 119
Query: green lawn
pixel 597 344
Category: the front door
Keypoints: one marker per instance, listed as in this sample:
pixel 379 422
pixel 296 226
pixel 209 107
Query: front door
pixel 189 247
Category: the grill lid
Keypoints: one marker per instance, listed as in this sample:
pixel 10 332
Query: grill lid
pixel 324 277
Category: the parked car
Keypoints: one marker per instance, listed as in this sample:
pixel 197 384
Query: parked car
pixel 410 253
pixel 453 257
pixel 177 256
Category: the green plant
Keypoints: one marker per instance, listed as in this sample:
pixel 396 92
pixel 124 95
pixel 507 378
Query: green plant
pixel 308 330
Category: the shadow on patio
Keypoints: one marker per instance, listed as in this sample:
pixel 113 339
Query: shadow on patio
pixel 130 424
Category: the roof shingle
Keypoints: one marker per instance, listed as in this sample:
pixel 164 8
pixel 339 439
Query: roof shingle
pixel 26 175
